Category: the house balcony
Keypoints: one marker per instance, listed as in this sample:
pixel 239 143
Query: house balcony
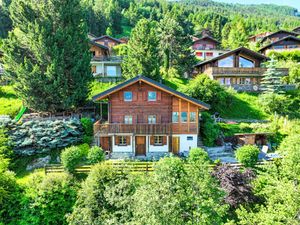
pixel 1 71
pixel 240 72
pixel 105 129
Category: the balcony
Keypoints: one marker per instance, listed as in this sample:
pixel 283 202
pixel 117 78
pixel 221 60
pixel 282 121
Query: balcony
pixel 116 59
pixel 240 72
pixel 140 128
pixel 1 71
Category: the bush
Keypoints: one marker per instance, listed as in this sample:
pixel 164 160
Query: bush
pixel 209 130
pixel 247 155
pixel 198 154
pixel 87 125
pixel 87 139
pixel 274 103
pixel 71 157
pixel 208 91
pixel 95 155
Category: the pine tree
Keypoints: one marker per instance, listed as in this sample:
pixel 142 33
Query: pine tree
pixel 271 82
pixel 142 57
pixel 47 54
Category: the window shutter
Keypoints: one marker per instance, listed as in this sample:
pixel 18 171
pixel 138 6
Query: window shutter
pixel 127 140
pixel 151 140
pixel 116 140
pixel 134 96
pixel 164 140
pixel 121 94
pixel 158 96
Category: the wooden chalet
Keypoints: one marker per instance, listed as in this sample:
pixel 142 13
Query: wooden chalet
pixel 239 68
pixel 258 37
pixel 277 36
pixel 206 47
pixel 147 118
pixel 288 43
pixel 105 65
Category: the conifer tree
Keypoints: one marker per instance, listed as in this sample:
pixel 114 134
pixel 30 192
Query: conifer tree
pixel 271 82
pixel 142 57
pixel 47 54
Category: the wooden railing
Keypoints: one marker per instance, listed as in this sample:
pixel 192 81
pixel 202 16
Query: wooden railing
pixel 108 58
pixel 139 128
pixel 227 71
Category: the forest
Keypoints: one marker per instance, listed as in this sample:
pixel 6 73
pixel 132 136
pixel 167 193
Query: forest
pixel 47 67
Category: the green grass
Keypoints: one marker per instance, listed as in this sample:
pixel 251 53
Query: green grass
pixel 98 87
pixel 244 106
pixel 231 129
pixel 10 103
pixel 176 83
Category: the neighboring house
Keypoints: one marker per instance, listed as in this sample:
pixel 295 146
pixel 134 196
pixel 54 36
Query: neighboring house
pixel 259 37
pixel 288 43
pixel 105 65
pixel 207 47
pixel 277 36
pixel 147 118
pixel 239 68
pixel 297 30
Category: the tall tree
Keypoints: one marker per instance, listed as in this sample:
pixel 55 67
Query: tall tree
pixel 47 54
pixel 5 21
pixel 142 57
pixel 271 82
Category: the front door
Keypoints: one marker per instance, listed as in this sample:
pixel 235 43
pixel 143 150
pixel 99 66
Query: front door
pixel 175 145
pixel 140 145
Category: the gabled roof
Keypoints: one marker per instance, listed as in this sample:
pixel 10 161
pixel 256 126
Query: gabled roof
pixel 91 36
pixel 151 82
pixel 206 37
pixel 277 32
pixel 107 36
pixel 240 49
pixel 98 45
pixel 297 28
pixel 282 39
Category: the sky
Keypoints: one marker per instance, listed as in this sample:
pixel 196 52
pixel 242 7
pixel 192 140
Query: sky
pixel 293 3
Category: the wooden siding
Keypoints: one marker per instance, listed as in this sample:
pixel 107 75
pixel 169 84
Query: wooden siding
pixel 107 42
pixel 99 52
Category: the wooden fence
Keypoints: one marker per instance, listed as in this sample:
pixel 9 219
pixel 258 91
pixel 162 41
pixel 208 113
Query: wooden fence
pixel 127 167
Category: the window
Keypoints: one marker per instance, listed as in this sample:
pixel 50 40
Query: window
pixel 209 54
pixel 227 81
pixel 247 81
pixel 189 138
pixel 242 80
pixel 127 96
pixel 158 140
pixel 192 117
pixel 199 54
pixel 151 96
pixel 93 69
pixel 227 62
pixel 128 119
pixel 175 117
pixel 111 71
pixel 221 80
pixel 122 140
pixel 183 117
pixel 245 63
pixel 151 119
pixel 279 47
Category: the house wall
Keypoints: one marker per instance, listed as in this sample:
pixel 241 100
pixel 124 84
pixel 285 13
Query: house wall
pixel 99 52
pixel 118 148
pixel 204 43
pixel 140 108
pixel 284 45
pixel 100 68
pixel 208 54
pixel 186 145
pixel 156 148
pixel 277 37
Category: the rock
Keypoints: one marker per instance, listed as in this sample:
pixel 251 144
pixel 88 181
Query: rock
pixel 38 163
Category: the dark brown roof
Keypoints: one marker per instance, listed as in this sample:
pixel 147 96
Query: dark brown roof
pixel 277 32
pixel 98 45
pixel 107 36
pixel 147 80
pixel 282 39
pixel 240 49
pixel 207 37
pixel 297 28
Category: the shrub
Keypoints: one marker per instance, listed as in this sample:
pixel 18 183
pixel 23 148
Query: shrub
pixel 5 146
pixel 71 157
pixel 87 139
pixel 247 155
pixel 95 155
pixel 209 130
pixel 274 103
pixel 87 125
pixel 198 154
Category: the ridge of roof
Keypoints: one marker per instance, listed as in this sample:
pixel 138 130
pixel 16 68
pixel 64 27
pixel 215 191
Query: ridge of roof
pixel 282 39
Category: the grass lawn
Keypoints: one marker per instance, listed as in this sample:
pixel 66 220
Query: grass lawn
pixel 244 106
pixel 10 104
pixel 98 87
pixel 176 83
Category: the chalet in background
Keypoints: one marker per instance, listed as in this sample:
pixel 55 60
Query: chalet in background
pixel 239 68
pixel 105 65
pixel 259 37
pixel 147 118
pixel 288 43
pixel 276 36
pixel 297 30
pixel 207 47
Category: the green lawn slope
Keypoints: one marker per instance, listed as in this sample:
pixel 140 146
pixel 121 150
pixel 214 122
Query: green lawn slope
pixel 10 104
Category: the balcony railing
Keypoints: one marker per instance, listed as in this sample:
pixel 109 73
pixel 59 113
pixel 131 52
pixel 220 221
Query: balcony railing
pixel 1 71
pixel 140 128
pixel 237 71
pixel 108 58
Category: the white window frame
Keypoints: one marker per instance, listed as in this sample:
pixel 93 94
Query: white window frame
pixel 152 100
pixel 124 94
pixel 175 114
pixel 115 74
pixel 158 140
pixel 122 140
pixel 151 119
pixel 128 119
pixel 186 117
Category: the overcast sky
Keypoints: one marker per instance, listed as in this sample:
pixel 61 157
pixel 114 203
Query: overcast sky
pixel 293 3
